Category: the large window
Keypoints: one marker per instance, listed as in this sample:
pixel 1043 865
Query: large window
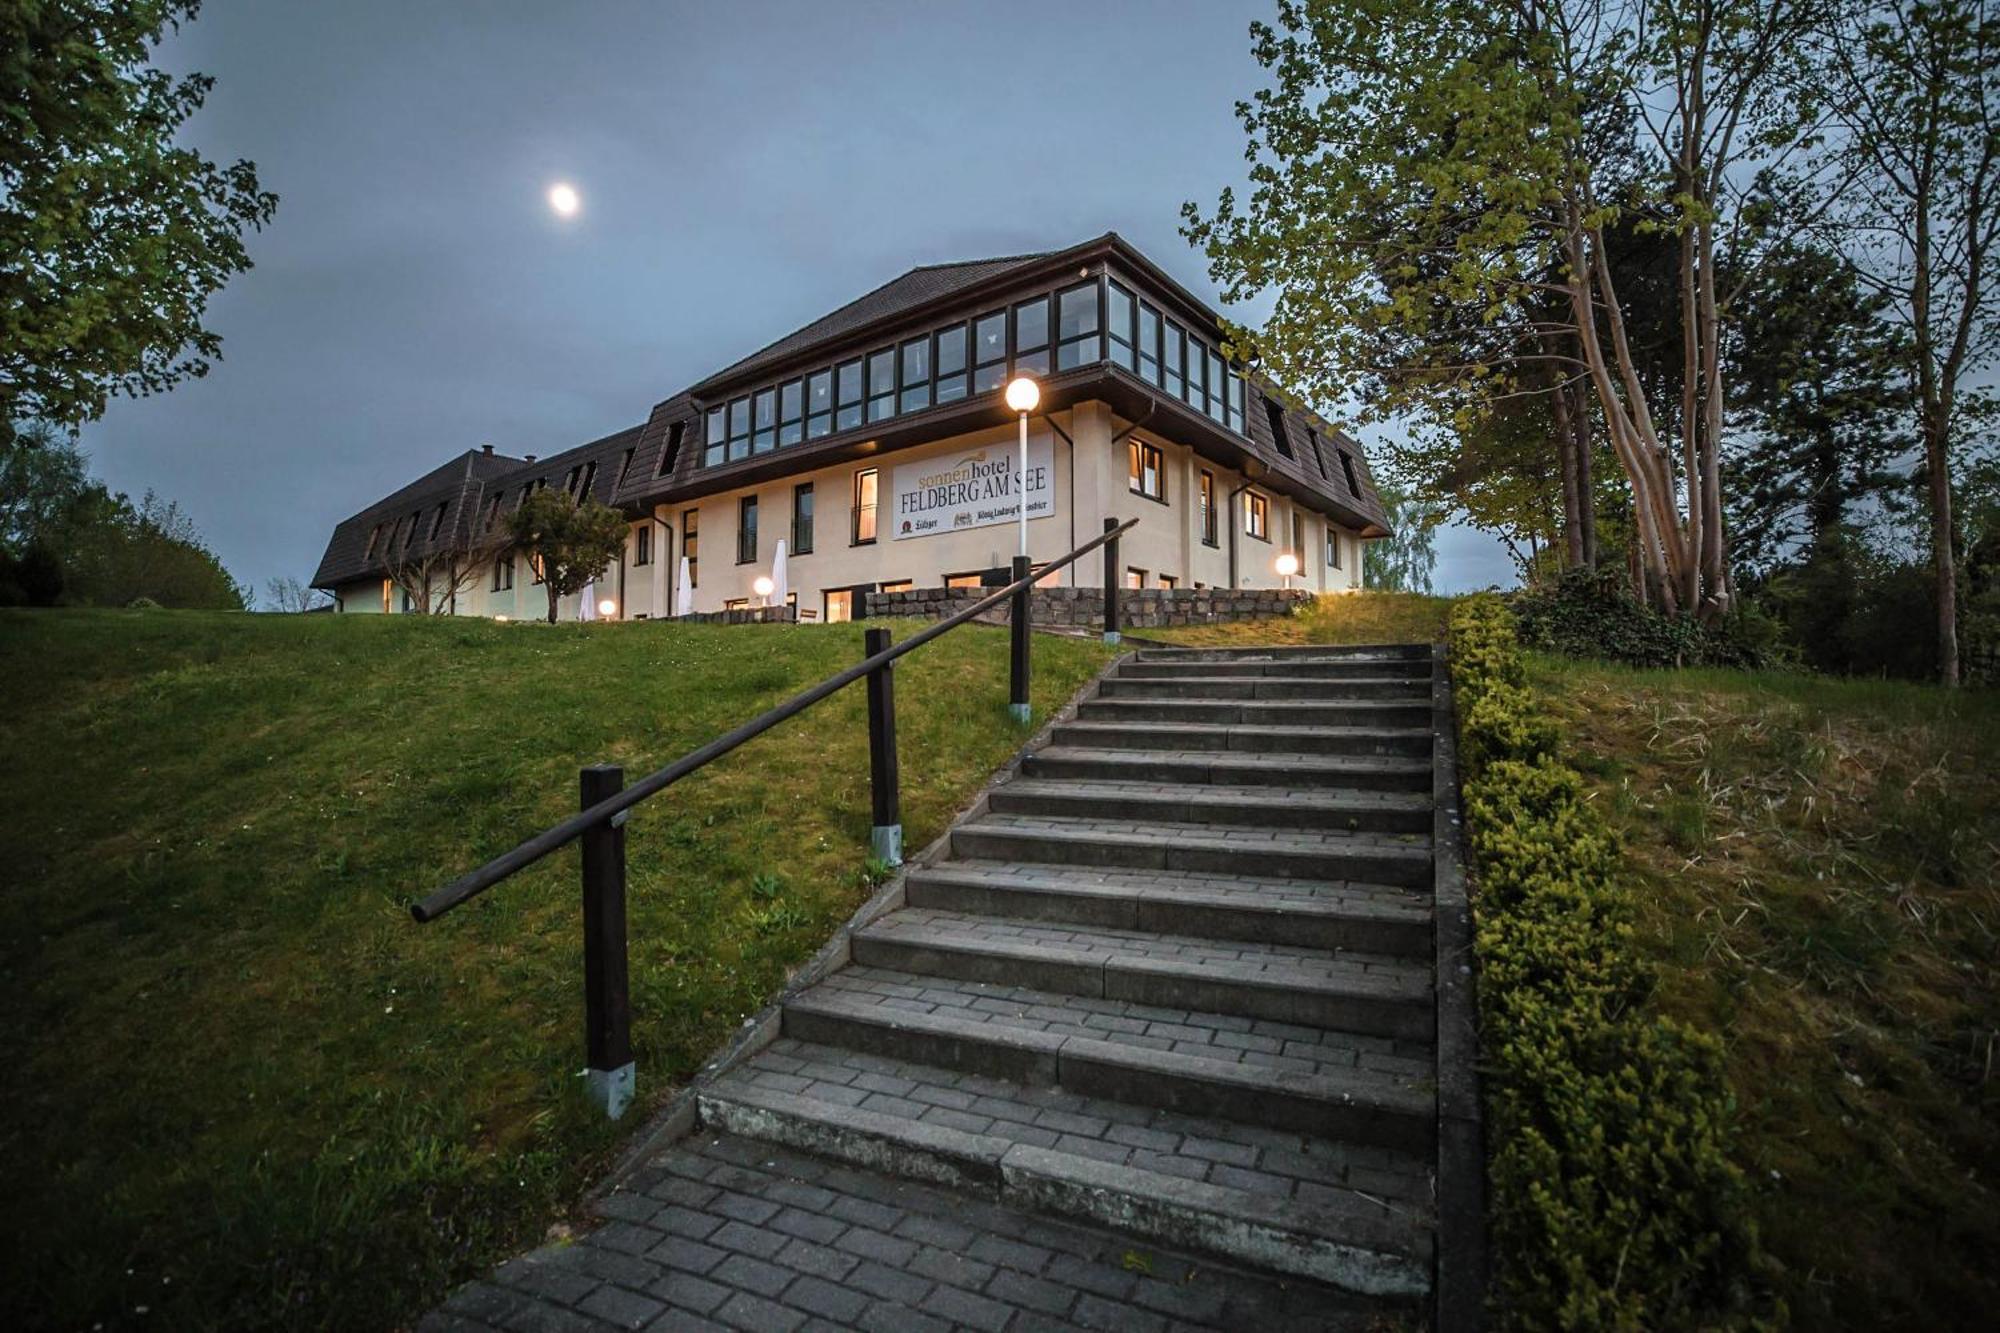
pixel 642 544
pixel 847 409
pixel 1031 338
pixel 1332 547
pixel 1218 386
pixel 951 363
pixel 1195 394
pixel 1149 473
pixel 866 487
pixel 739 429
pixel 746 529
pixel 989 352
pixel 765 409
pixel 882 384
pixel 917 374
pixel 503 573
pixel 839 605
pixel 791 412
pixel 1257 516
pixel 1078 340
pixel 802 518
pixel 1209 536
pixel 691 546
pixel 819 404
pixel 1118 310
pixel 715 448
pixel 1149 344
pixel 1173 355
pixel 1299 536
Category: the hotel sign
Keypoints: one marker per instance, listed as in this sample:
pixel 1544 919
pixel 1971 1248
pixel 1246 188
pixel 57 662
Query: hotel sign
pixel 952 492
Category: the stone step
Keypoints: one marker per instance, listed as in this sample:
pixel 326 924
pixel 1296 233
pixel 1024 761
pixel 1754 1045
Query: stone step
pixel 1286 713
pixel 1374 918
pixel 1349 990
pixel 1370 811
pixel 1294 1203
pixel 1324 652
pixel 1363 688
pixel 1099 734
pixel 1232 768
pixel 1292 854
pixel 1394 668
pixel 1011 1032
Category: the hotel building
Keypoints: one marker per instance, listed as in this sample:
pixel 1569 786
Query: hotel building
pixel 876 445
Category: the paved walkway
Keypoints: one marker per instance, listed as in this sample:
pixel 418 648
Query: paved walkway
pixel 1151 1045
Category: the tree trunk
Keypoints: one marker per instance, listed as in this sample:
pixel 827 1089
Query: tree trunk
pixel 1936 460
pixel 1586 474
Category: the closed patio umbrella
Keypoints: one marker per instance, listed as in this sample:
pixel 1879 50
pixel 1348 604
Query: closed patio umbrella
pixel 684 592
pixel 778 581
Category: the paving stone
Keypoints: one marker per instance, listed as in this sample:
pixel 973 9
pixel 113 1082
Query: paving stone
pixel 625 1309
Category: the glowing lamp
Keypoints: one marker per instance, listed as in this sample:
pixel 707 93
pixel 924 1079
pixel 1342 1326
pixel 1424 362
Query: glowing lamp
pixel 607 608
pixel 1023 394
pixel 762 586
pixel 1288 564
pixel 501 620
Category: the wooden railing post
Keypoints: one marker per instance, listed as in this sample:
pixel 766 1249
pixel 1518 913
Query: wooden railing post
pixel 609 1076
pixel 1017 674
pixel 1112 583
pixel 885 780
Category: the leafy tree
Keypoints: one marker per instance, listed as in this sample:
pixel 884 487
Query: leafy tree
pixel 1820 410
pixel 1403 562
pixel 1437 191
pixel 569 544
pixel 113 233
pixel 1917 102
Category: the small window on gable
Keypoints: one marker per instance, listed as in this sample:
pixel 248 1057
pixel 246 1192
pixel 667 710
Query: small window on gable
pixel 589 479
pixel 624 466
pixel 493 511
pixel 569 480
pixel 1347 466
pixel 1276 414
pixel 374 539
pixel 437 519
pixel 1319 454
pixel 671 454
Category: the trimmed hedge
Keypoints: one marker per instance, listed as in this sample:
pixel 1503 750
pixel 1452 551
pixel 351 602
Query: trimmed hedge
pixel 1613 1203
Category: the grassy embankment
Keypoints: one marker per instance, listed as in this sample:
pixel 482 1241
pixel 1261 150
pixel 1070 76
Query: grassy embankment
pixel 1819 873
pixel 245 1090
pixel 1819 864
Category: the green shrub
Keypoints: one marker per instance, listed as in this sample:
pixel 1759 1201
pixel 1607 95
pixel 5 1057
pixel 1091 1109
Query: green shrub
pixel 1614 1203
pixel 1590 613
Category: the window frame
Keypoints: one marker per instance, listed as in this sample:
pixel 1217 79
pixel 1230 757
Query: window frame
pixel 998 364
pixel 642 544
pixel 1149 348
pixel 1114 289
pixel 858 405
pixel 802 491
pixel 792 429
pixel 914 394
pixel 1257 515
pixel 873 509
pixel 814 430
pixel 874 392
pixel 1088 340
pixel 746 528
pixel 941 379
pixel 1136 459
pixel 1043 351
pixel 1211 527
pixel 691 547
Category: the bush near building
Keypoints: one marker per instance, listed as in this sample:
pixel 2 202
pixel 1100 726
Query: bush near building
pixel 1614 1202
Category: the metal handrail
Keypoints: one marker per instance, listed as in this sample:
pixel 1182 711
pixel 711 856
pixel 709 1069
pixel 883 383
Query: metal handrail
pixel 614 808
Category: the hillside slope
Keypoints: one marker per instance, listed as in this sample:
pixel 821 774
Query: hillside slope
pixel 245 1089
pixel 1819 873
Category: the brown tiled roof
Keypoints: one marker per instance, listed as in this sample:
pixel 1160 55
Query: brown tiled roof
pixel 465 485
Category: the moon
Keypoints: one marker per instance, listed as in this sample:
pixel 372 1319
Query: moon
pixel 564 200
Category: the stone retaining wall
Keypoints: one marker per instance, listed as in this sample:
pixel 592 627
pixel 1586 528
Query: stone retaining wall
pixel 1147 608
pixel 749 615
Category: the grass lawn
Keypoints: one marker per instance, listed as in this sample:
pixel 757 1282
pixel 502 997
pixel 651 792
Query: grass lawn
pixel 1819 865
pixel 1368 617
pixel 244 1088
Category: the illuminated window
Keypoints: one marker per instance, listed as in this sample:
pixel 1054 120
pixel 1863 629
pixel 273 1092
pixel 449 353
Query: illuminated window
pixel 1209 535
pixel 1148 471
pixel 866 486
pixel 1257 516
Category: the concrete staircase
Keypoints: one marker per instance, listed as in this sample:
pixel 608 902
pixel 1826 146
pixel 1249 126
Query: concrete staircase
pixel 1175 977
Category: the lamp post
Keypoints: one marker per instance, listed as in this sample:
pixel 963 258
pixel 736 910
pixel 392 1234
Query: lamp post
pixel 762 587
pixel 1288 565
pixel 1023 394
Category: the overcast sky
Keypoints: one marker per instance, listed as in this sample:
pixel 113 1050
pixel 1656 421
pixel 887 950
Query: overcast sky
pixel 744 168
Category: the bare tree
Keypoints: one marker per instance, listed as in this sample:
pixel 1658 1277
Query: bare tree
pixel 287 595
pixel 432 581
pixel 1918 99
